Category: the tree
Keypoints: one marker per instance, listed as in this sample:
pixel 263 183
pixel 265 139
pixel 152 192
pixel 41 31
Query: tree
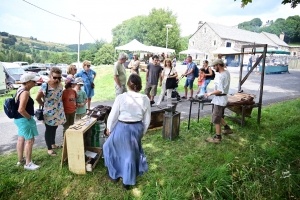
pixel 293 3
pixel 54 58
pixel 105 55
pixel 65 58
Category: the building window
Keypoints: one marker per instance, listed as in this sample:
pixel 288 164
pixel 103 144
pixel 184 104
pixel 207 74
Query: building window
pixel 206 57
pixel 215 42
pixel 294 53
pixel 193 43
pixel 228 44
pixel 204 30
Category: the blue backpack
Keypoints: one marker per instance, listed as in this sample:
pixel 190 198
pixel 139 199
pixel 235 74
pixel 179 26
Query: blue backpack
pixel 10 106
pixel 196 71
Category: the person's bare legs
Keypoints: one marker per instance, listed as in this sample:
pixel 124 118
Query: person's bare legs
pixel 218 129
pixel 152 98
pixel 28 150
pixel 192 92
pixel 223 122
pixel 20 148
pixel 185 91
pixel 89 103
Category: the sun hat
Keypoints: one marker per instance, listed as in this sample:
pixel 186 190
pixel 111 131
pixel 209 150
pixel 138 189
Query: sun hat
pixel 28 77
pixel 79 81
pixel 217 62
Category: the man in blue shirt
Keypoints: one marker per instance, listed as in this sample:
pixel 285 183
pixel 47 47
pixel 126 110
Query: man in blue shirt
pixel 189 73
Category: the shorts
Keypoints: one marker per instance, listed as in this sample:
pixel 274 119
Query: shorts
pixel 26 128
pixel 120 90
pixel 189 83
pixel 217 114
pixel 152 88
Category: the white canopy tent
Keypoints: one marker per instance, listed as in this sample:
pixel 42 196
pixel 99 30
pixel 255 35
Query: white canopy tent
pixel 135 45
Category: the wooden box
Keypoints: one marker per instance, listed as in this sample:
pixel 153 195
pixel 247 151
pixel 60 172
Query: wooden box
pixel 171 126
pixel 157 119
pixel 74 146
pixel 96 150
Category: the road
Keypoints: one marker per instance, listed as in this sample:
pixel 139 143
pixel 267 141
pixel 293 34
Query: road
pixel 277 87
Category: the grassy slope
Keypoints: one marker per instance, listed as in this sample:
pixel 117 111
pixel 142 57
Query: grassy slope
pixel 253 163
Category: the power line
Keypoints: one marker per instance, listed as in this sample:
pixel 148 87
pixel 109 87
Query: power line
pixel 50 12
pixel 88 31
pixel 60 16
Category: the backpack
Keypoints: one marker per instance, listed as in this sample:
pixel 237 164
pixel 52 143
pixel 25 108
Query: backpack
pixel 213 75
pixel 10 106
pixel 196 71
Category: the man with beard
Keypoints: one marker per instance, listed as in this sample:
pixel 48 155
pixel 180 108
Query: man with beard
pixel 220 101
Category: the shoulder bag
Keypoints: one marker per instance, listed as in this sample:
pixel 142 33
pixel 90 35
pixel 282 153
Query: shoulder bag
pixel 171 83
pixel 39 113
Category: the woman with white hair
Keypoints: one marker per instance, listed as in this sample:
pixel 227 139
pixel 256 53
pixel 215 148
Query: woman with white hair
pixel 88 76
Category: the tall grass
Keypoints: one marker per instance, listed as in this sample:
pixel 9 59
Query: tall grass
pixel 256 162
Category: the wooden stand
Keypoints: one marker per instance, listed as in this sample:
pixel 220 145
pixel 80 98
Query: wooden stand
pixel 157 118
pixel 74 146
pixel 171 125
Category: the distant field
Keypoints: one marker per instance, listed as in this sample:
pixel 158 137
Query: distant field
pixel 295 44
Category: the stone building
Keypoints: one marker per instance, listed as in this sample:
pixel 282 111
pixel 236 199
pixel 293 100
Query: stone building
pixel 210 36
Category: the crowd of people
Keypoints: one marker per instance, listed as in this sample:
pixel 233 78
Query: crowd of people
pixel 130 116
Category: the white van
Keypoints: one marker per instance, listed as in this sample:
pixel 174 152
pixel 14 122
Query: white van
pixel 13 72
pixel 2 80
pixel 22 63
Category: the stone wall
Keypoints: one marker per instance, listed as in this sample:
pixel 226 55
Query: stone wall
pixel 295 51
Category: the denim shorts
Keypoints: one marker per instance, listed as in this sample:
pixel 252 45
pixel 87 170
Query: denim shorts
pixel 26 128
pixel 189 83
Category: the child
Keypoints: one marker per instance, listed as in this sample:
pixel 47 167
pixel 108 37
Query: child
pixel 69 100
pixel 81 99
pixel 201 81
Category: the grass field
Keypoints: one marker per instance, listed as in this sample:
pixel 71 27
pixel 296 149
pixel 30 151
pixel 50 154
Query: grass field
pixel 256 162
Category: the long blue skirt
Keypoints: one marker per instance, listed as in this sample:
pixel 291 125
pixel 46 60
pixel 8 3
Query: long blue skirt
pixel 123 153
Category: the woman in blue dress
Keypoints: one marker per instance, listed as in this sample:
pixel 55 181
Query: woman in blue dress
pixel 88 76
pixel 127 122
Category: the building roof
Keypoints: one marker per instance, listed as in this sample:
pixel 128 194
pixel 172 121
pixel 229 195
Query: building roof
pixel 275 39
pixel 232 33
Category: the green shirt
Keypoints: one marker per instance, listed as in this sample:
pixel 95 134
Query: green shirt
pixel 120 71
pixel 81 97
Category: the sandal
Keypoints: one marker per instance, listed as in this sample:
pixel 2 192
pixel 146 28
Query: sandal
pixel 56 146
pixel 183 97
pixel 53 153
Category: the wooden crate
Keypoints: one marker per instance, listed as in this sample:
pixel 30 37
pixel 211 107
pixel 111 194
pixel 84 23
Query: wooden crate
pixel 74 146
pixel 157 119
pixel 171 126
pixel 95 150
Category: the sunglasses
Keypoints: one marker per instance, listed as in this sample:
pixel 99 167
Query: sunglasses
pixel 57 77
pixel 75 68
pixel 88 65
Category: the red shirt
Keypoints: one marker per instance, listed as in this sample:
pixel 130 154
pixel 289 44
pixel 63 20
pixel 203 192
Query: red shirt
pixel 69 100
pixel 201 79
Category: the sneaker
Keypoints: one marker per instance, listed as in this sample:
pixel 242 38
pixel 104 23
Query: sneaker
pixel 214 139
pixel 227 131
pixel 31 166
pixel 22 162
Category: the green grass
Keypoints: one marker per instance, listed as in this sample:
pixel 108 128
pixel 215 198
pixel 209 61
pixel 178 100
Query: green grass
pixel 295 44
pixel 256 162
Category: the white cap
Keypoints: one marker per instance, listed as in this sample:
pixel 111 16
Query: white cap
pixel 28 77
pixel 79 81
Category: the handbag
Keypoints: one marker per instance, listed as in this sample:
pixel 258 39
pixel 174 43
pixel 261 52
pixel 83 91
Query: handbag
pixel 171 83
pixel 92 83
pixel 39 113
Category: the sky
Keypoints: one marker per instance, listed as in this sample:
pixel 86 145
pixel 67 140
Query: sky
pixel 18 17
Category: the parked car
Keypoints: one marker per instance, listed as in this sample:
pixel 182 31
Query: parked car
pixel 20 63
pixel 3 88
pixel 13 73
pixel 80 66
pixel 44 75
pixel 40 81
pixel 60 65
pixel 31 68
pixel 40 65
pixel 49 66
pixel 64 72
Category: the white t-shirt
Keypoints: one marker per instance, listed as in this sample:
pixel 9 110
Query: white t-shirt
pixel 222 83
pixel 167 71
pixel 130 107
